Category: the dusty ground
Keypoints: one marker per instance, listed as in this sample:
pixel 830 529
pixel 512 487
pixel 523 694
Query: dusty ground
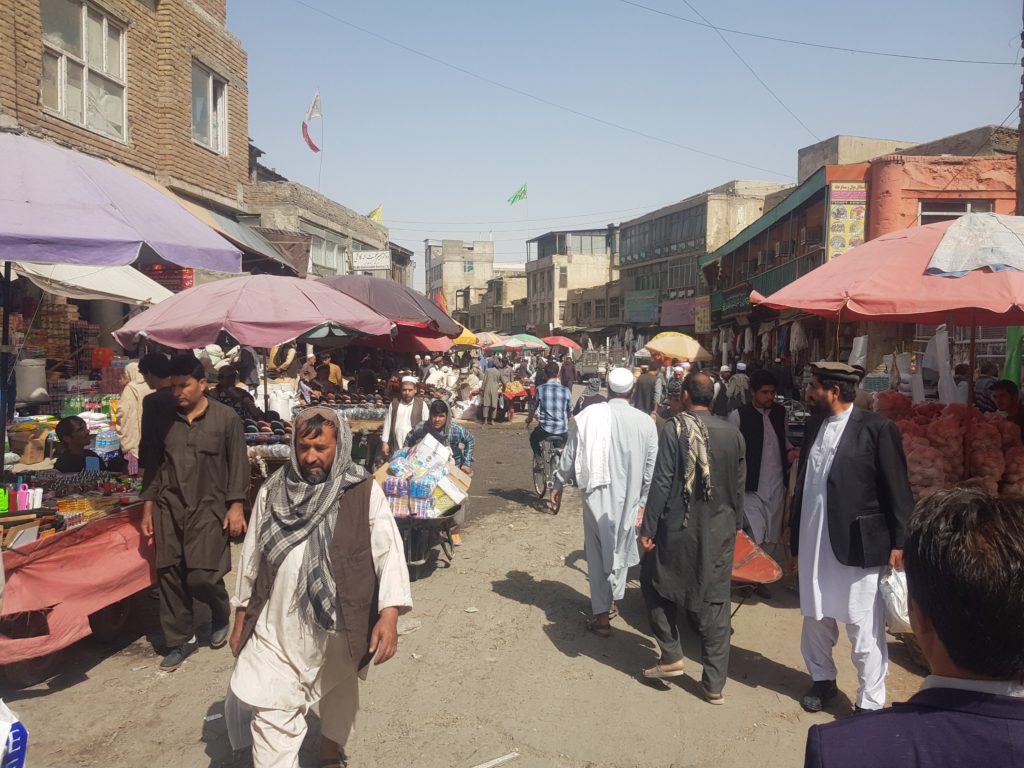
pixel 498 661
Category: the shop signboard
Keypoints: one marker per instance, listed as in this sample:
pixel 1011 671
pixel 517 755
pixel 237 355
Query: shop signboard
pixel 702 314
pixel 368 261
pixel 677 312
pixel 847 211
pixel 641 306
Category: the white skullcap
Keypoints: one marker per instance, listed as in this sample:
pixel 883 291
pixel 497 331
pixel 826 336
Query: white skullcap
pixel 678 369
pixel 725 369
pixel 426 357
pixel 741 366
pixel 620 380
pixel 410 380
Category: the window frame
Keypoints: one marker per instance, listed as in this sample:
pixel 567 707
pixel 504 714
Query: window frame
pixel 220 107
pixel 934 217
pixel 63 56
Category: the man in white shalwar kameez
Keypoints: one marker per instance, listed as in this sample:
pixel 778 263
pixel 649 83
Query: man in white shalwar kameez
pixel 404 413
pixel 610 455
pixel 304 597
pixel 848 523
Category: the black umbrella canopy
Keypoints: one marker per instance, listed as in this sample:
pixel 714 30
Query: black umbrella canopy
pixel 402 305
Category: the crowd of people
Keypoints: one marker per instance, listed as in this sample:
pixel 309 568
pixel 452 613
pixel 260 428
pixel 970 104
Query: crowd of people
pixel 670 465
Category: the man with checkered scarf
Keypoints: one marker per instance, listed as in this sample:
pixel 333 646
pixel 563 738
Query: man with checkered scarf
pixel 321 582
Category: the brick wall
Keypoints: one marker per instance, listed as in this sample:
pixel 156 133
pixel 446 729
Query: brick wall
pixel 161 45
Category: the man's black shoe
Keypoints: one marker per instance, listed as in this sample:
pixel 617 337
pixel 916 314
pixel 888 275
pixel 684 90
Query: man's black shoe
pixel 176 658
pixel 821 693
pixel 219 637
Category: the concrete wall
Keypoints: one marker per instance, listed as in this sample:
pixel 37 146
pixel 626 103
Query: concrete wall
pixel 897 184
pixel 842 150
pixel 446 271
pixel 544 294
pixel 286 204
pixel 161 45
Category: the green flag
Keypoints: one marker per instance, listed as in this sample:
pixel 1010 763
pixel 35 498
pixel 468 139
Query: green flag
pixel 519 195
pixel 1011 369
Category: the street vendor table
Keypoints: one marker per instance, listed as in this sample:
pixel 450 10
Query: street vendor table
pixel 54 584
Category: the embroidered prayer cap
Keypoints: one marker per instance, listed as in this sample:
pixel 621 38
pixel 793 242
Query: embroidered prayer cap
pixel 741 367
pixel 620 380
pixel 674 388
pixel 725 369
pixel 410 380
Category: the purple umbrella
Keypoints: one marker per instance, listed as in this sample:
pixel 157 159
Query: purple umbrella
pixel 257 310
pixel 406 307
pixel 63 207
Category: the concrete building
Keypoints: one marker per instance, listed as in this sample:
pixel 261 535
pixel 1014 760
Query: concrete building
pixel 495 311
pixel 661 249
pixel 333 231
pixel 591 309
pixel 844 150
pixel 459 271
pixel 558 262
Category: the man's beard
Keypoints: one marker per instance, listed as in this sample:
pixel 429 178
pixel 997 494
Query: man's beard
pixel 314 475
pixel 820 408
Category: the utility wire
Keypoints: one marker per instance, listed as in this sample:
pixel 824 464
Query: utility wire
pixel 540 99
pixel 981 146
pixel 807 44
pixel 752 71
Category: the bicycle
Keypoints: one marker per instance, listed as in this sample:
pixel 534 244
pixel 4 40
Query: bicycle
pixel 544 471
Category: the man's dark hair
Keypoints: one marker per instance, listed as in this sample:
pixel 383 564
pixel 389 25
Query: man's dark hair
pixel 763 378
pixel 66 426
pixel 962 370
pixel 187 365
pixel 227 374
pixel 155 364
pixel 551 370
pixel 313 426
pixel 964 557
pixel 1007 386
pixel 438 407
pixel 655 365
pixel 700 388
pixel 989 369
pixel 847 389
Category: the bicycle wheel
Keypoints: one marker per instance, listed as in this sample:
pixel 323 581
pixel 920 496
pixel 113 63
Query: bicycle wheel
pixel 552 467
pixel 540 480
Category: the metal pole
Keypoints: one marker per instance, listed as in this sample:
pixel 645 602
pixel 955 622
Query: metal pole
pixel 266 385
pixel 5 371
pixel 1020 128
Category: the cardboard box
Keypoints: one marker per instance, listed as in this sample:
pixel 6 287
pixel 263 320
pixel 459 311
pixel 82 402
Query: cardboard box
pixel 448 495
pixel 35 448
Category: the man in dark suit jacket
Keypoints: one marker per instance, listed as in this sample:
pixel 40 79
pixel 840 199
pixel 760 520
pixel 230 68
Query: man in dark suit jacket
pixel 963 554
pixel 850 508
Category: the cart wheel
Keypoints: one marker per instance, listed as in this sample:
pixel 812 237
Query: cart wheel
pixel 448 546
pixel 25 674
pixel 108 623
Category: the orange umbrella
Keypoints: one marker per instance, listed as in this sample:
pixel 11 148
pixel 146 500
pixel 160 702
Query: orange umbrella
pixel 561 341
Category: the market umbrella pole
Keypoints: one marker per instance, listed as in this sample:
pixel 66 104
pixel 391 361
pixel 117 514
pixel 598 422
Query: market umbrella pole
pixel 5 371
pixel 266 384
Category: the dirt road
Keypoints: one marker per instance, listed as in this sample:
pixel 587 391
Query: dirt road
pixel 496 659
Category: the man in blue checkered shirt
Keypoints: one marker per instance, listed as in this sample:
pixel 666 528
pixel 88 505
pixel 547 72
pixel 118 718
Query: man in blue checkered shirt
pixel 554 404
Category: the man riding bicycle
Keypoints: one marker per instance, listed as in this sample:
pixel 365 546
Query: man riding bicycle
pixel 554 402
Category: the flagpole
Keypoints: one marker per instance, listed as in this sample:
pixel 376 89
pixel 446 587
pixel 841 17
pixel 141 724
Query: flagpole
pixel 320 170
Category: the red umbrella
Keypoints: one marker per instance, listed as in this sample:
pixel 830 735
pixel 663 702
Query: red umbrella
pixel 403 306
pixel 886 280
pixel 407 341
pixel 561 341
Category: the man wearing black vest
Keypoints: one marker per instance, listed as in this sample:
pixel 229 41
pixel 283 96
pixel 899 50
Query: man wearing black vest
pixel 762 422
pixel 321 581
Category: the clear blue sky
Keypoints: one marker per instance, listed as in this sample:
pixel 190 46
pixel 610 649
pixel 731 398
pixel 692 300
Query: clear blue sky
pixel 442 150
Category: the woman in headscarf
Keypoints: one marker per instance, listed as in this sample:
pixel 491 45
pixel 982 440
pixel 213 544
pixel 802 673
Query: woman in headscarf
pixel 591 395
pixel 441 427
pixel 129 415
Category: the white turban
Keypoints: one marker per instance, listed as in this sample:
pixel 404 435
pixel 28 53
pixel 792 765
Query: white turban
pixel 410 380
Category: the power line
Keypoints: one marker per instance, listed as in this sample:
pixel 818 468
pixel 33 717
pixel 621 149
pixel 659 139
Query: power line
pixel 752 71
pixel 981 146
pixel 539 99
pixel 807 44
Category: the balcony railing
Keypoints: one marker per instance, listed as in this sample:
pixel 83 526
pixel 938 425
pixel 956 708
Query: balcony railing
pixel 766 282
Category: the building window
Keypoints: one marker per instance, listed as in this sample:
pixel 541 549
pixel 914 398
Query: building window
pixel 561 311
pixel 563 277
pixel 613 308
pixel 467 266
pixel 83 77
pixel 934 211
pixel 324 253
pixel 599 305
pixel 209 109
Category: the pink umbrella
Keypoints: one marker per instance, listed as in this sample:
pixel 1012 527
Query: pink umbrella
pixel 887 279
pixel 257 310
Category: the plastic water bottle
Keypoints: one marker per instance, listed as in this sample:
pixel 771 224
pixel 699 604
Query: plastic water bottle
pixel 107 442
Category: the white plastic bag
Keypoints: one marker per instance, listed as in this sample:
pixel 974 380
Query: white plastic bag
pixel 893 586
pixel 7 720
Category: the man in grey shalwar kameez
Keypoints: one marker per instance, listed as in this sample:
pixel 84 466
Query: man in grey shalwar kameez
pixel 495 379
pixel 689 533
pixel 610 455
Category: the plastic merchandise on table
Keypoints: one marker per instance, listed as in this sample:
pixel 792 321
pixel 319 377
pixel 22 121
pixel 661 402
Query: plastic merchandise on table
pixel 399 505
pixel 422 487
pixel 422 507
pixel 396 486
pixel 400 466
